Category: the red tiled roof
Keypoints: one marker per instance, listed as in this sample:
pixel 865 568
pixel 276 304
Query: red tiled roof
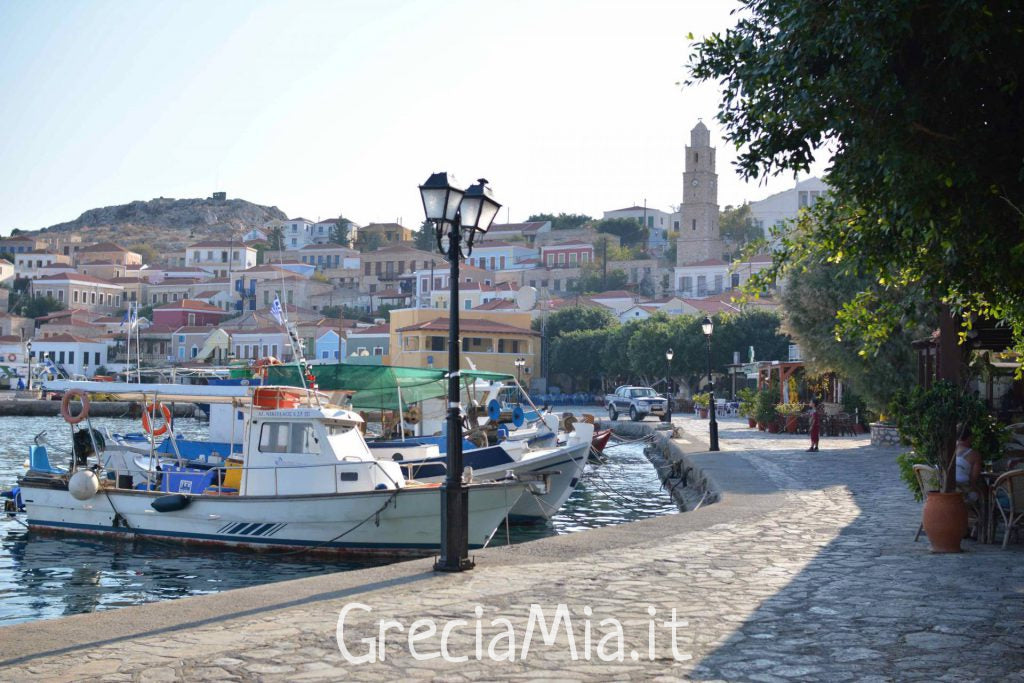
pixel 190 305
pixel 613 294
pixel 10 339
pixel 469 325
pixel 73 277
pixel 102 247
pixel 59 338
pixel 496 305
pixel 195 329
pixel 707 262
pixel 218 243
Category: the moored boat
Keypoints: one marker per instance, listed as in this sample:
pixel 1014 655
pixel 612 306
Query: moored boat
pixel 306 481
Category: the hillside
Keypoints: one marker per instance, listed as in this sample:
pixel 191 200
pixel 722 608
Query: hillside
pixel 176 221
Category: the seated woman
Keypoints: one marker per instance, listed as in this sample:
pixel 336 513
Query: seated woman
pixel 968 478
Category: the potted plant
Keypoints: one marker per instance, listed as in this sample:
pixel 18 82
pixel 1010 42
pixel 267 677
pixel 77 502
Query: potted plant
pixel 765 412
pixel 930 421
pixel 702 401
pixel 747 408
pixel 790 415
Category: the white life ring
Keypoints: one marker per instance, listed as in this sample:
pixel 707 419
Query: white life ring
pixel 11 357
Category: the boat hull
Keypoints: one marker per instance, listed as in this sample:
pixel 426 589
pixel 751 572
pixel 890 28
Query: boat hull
pixel 396 522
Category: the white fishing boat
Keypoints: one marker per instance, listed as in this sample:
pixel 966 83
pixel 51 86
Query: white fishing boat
pixel 306 481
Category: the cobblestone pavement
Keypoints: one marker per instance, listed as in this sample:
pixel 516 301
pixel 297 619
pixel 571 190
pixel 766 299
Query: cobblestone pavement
pixel 828 585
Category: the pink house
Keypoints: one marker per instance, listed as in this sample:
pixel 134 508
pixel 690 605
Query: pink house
pixel 570 254
pixel 188 312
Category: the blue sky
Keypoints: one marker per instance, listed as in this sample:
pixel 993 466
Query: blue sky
pixel 345 106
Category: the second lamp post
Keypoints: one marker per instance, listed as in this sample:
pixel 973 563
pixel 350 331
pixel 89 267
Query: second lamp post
pixel 708 328
pixel 457 216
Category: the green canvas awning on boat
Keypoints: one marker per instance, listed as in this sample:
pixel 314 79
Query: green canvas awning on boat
pixel 378 386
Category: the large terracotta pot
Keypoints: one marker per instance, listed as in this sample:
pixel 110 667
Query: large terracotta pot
pixel 703 413
pixel 945 521
pixel 760 426
pixel 751 422
pixel 791 424
pixel 773 427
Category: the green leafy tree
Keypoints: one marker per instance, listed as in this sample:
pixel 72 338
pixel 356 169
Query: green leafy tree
pixel 737 227
pixel 563 221
pixel 920 105
pixel 572 357
pixel 424 239
pixel 341 231
pixel 574 318
pixel 592 279
pixel 275 238
pixel 812 300
pixel 630 231
pixel 37 306
pixel 369 241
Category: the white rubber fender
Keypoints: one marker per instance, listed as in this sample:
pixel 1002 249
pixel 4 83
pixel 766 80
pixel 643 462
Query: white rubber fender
pixel 83 485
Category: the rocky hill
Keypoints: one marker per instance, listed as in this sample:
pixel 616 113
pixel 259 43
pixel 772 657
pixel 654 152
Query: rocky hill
pixel 175 222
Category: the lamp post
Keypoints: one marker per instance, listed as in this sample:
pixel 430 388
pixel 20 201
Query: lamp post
pixel 457 216
pixel 708 328
pixel 668 382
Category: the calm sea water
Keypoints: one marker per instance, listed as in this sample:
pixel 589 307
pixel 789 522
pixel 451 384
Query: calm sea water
pixel 45 576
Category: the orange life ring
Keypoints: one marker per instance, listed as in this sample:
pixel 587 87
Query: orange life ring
pixel 148 414
pixel 65 406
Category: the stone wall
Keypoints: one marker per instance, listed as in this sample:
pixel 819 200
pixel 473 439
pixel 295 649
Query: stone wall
pixel 884 435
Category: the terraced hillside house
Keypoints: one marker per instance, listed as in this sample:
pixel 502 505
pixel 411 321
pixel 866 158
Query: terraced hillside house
pixel 189 312
pixel 220 257
pixel 75 290
pixel 108 252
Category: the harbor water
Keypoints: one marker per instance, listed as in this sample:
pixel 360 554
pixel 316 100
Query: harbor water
pixel 47 576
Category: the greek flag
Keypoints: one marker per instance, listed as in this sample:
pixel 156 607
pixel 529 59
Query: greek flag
pixel 131 318
pixel 127 318
pixel 275 311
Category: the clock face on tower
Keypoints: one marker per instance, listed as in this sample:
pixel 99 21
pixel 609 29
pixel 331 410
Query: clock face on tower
pixel 695 182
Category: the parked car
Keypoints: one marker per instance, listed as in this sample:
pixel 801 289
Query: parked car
pixel 637 402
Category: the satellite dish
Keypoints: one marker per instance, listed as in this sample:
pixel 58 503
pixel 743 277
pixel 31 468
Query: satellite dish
pixel 526 298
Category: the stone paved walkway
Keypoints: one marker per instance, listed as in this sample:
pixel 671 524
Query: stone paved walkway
pixel 827 585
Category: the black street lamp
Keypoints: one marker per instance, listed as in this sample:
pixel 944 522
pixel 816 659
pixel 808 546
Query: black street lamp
pixel 457 216
pixel 708 328
pixel 28 364
pixel 668 383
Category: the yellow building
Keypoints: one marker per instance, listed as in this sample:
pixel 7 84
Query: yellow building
pixel 491 339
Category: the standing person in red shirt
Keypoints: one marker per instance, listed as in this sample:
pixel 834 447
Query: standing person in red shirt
pixel 815 425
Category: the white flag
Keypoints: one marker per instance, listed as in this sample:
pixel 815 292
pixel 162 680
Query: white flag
pixel 275 311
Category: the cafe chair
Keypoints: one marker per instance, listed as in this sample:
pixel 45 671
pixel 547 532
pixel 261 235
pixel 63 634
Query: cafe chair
pixel 1008 500
pixel 927 480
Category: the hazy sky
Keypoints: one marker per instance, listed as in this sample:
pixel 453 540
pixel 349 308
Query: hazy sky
pixel 346 106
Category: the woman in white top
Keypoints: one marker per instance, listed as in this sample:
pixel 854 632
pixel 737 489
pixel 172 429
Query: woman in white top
pixel 968 467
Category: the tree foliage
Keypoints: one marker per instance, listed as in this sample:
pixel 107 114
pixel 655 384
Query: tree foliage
pixel 563 221
pixel 369 241
pixel 736 225
pixel 574 318
pixel 812 300
pixel 920 105
pixel 275 238
pixel 424 239
pixel 36 306
pixel 592 279
pixel 341 231
pixel 630 231
pixel 635 351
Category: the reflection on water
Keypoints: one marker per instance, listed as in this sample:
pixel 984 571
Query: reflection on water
pixel 45 576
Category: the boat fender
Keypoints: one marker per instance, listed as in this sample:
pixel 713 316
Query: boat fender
pixel 83 485
pixel 518 417
pixel 171 503
pixel 493 409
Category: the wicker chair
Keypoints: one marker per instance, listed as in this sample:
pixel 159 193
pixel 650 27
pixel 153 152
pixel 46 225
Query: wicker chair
pixel 1008 499
pixel 927 480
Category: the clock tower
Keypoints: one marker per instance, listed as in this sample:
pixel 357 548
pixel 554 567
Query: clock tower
pixel 699 239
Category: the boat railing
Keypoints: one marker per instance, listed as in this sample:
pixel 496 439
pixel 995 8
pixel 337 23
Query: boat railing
pixel 155 477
